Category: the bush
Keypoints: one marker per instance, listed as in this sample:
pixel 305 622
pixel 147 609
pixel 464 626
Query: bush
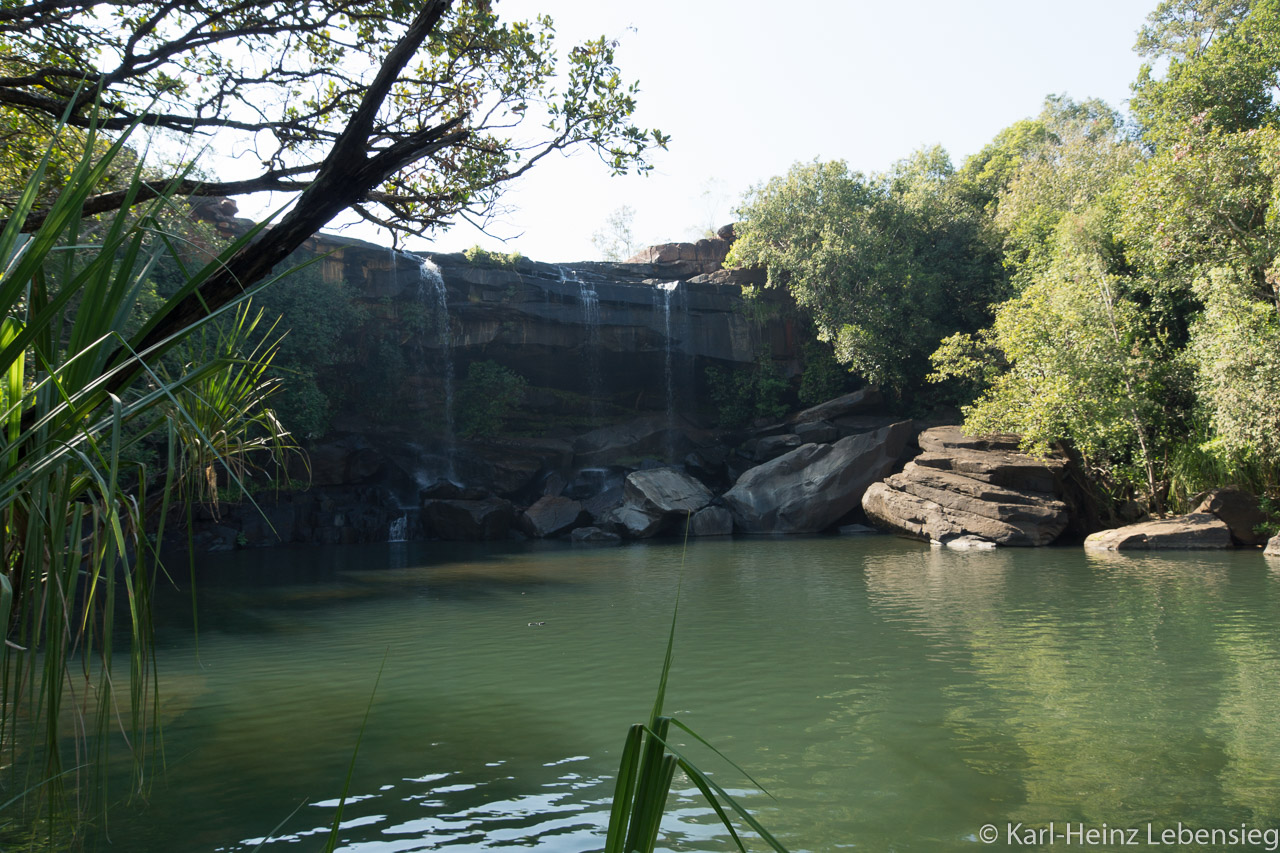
pixel 741 396
pixel 823 378
pixel 486 397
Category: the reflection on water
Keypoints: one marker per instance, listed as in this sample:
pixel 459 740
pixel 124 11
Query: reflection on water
pixel 889 696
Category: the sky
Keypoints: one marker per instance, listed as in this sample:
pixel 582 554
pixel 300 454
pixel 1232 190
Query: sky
pixel 746 88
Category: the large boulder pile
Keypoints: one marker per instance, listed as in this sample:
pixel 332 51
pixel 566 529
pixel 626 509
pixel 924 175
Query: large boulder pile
pixel 814 486
pixel 966 488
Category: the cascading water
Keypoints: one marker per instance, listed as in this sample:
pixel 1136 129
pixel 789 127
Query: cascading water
pixel 398 529
pixel 432 293
pixel 662 296
pixel 590 302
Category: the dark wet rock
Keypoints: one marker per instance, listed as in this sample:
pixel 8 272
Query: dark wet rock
pixel 468 520
pixel 764 449
pixel 817 432
pixel 274 525
pixel 972 486
pixel 599 506
pixel 594 536
pixel 816 485
pixel 708 464
pixel 857 530
pixel 857 424
pixel 1239 509
pixel 554 484
pixel 550 516
pixel 216 537
pixel 1199 531
pixel 346 460
pixel 658 500
pixel 627 443
pixel 711 521
pixel 862 401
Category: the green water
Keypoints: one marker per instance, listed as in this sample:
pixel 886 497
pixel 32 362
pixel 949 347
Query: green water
pixel 891 697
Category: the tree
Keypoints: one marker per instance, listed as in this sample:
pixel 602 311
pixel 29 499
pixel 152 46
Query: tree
pixel 1223 59
pixel 407 115
pixel 421 104
pixel 614 241
pixel 886 265
pixel 1069 359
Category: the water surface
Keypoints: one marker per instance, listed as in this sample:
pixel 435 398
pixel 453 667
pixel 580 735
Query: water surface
pixel 891 697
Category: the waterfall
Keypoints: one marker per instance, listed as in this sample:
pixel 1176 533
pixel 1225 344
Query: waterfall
pixel 662 295
pixel 398 529
pixel 590 302
pixel 432 294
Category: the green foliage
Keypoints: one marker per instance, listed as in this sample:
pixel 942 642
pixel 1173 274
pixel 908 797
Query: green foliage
pixel 1075 364
pixel 485 258
pixel 823 378
pixel 73 507
pixel 743 395
pixel 395 87
pixel 1072 163
pixel 1223 57
pixel 486 397
pixel 886 266
pixel 1235 349
pixel 315 317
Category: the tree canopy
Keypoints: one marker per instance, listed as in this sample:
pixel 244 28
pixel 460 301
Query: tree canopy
pixel 428 106
pixel 410 115
pixel 886 265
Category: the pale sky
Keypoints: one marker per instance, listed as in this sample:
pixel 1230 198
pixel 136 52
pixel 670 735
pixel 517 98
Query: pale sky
pixel 746 88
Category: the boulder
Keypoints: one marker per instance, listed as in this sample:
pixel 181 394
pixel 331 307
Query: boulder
pixel 657 500
pixel 708 465
pixel 550 516
pixel 1239 509
pixel 772 447
pixel 1199 531
pixel 814 486
pixel 468 520
pixel 817 432
pixel 968 543
pixel 711 521
pixel 861 401
pixel 972 486
pixel 650 435
pixel 594 536
pixel 1273 547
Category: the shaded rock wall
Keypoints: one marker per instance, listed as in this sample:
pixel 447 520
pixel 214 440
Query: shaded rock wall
pixel 597 343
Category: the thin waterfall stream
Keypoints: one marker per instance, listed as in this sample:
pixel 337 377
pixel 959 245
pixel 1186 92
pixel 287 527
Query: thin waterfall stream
pixel 432 294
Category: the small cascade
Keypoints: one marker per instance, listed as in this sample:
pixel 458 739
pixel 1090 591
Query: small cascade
pixel 432 293
pixel 662 294
pixel 590 302
pixel 398 529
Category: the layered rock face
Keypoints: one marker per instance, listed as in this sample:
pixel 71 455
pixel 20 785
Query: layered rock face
pixel 595 342
pixel 962 486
